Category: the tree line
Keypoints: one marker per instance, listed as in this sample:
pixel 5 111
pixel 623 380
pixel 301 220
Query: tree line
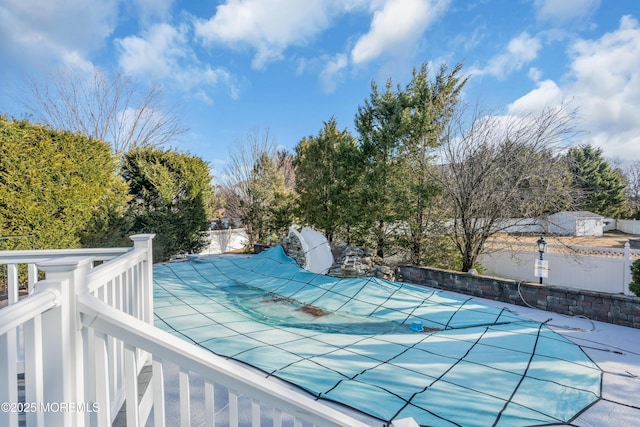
pixel 69 190
pixel 426 179
pixel 90 168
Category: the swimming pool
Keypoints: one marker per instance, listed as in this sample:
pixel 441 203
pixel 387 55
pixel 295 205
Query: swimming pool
pixel 390 350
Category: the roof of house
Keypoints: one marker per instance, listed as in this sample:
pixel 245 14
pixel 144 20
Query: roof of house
pixel 581 214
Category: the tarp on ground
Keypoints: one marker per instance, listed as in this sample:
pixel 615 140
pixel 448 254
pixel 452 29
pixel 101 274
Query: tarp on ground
pixel 390 350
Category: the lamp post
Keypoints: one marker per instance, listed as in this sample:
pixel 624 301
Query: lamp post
pixel 542 245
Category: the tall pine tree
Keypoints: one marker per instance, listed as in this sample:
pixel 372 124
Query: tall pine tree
pixel 327 175
pixel 268 204
pixel 399 128
pixel 428 109
pixel 603 189
pixel 379 123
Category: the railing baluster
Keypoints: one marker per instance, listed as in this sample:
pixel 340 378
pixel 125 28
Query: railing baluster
pixel 112 367
pixel 8 377
pixel 119 295
pixel 88 376
pixel 120 368
pixel 32 277
pixel 185 399
pixel 233 408
pixel 209 403
pixel 111 343
pixel 12 298
pixel 131 385
pixel 255 413
pixel 125 293
pixel 277 417
pixel 12 284
pixel 132 292
pixel 33 368
pixel 119 346
pixel 102 379
pixel 139 292
pixel 158 393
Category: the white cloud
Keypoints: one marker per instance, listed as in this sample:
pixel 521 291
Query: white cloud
pixel 520 51
pixel 564 11
pixel 396 25
pixel 150 9
pixel 262 27
pixel 40 31
pixel 162 52
pixel 534 74
pixel 604 83
pixel 158 51
pixel 76 61
pixel 547 93
pixel 268 26
pixel 332 71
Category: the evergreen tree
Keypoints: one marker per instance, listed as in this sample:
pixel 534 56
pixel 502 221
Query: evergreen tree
pixel 428 108
pixel 54 183
pixel 171 193
pixel 268 205
pixel 634 286
pixel 398 131
pixel 603 189
pixel 379 123
pixel 326 179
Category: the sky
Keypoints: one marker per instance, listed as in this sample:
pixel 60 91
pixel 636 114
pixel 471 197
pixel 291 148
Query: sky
pixel 281 68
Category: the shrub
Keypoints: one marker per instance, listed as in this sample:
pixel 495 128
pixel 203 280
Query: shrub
pixel 171 193
pixel 634 286
pixel 53 184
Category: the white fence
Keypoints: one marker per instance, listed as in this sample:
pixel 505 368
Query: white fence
pixel 221 241
pixel 87 330
pixel 542 225
pixel 522 225
pixel 590 268
pixel 629 226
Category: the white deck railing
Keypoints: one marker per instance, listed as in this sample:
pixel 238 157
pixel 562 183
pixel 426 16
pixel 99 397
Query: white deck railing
pixel 86 331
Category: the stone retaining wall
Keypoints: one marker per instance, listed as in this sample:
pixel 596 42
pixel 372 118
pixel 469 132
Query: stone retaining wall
pixel 612 308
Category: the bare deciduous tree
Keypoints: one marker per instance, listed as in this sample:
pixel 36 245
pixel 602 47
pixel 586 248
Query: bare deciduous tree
pixel 632 175
pixel 284 164
pixel 245 174
pixel 502 167
pixel 112 109
pixel 239 170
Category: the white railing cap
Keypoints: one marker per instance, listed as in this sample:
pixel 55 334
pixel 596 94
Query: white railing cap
pixel 32 256
pixel 63 264
pixel 19 313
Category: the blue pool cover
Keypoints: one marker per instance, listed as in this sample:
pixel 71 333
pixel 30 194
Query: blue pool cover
pixel 390 350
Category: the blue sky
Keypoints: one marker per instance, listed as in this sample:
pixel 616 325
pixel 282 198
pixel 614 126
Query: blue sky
pixel 239 66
